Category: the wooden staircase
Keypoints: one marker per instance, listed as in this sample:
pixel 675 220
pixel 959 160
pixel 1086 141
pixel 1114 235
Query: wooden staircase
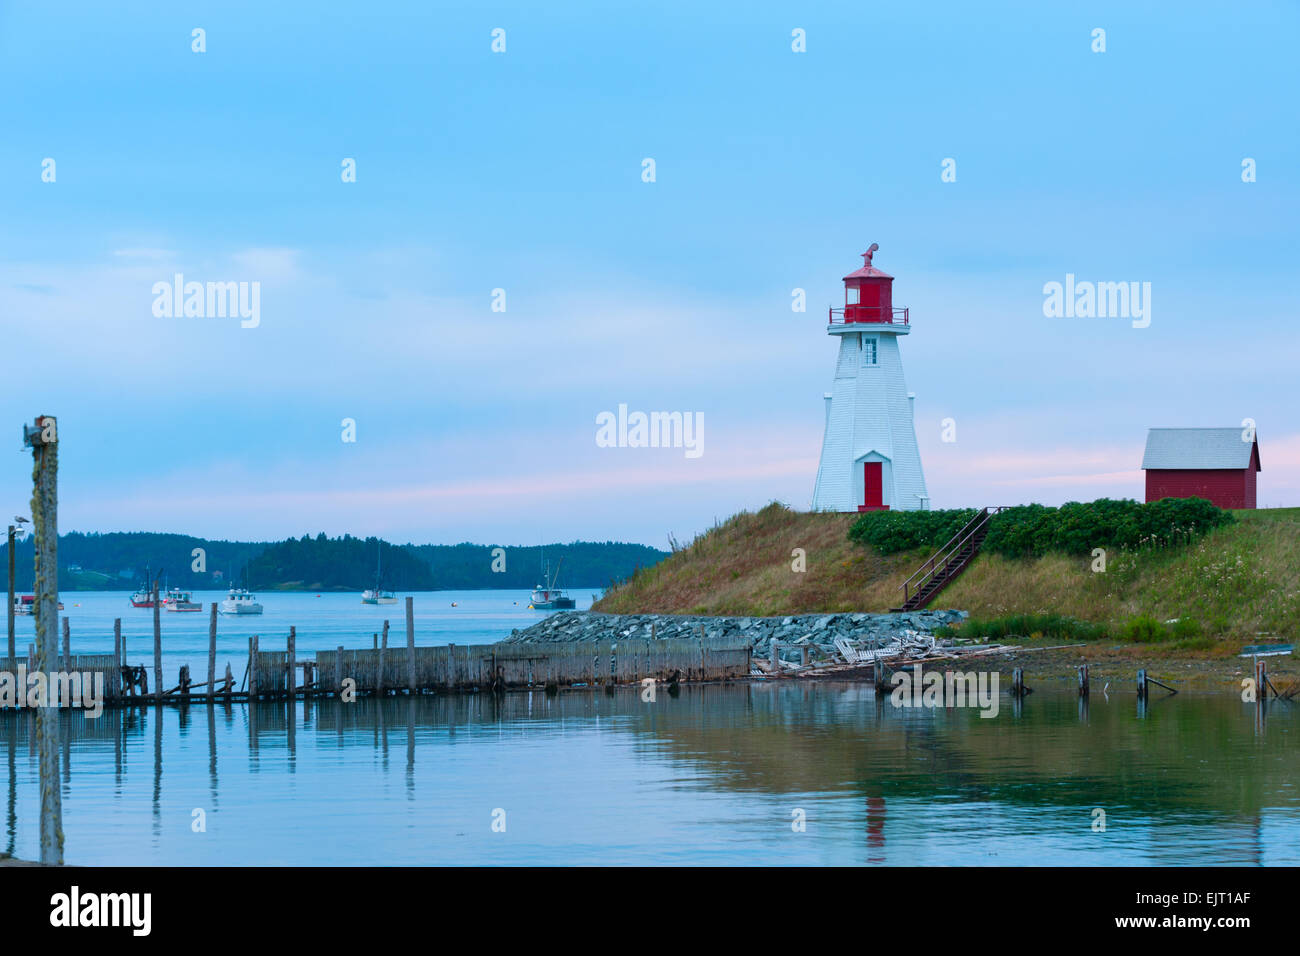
pixel 946 563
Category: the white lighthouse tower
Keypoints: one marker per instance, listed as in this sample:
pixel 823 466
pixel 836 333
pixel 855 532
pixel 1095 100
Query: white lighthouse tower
pixel 869 461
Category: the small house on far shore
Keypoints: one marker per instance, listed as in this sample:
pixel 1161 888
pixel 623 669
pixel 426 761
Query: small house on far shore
pixel 1217 464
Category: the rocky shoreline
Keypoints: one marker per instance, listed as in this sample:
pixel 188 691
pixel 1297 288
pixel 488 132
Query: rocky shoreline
pixel 819 629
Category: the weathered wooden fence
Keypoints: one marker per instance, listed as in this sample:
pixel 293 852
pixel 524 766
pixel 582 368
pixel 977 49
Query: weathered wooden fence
pixel 473 665
pixel 88 665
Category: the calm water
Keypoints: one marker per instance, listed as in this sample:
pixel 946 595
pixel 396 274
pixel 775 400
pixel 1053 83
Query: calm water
pixel 323 622
pixel 712 776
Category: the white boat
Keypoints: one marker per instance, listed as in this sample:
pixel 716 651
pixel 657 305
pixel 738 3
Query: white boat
pixel 548 597
pixel 240 601
pixel 178 600
pixel 377 595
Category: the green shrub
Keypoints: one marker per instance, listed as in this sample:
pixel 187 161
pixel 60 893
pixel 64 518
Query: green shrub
pixel 1055 626
pixel 1075 528
pixel 1143 629
pixel 1185 629
pixel 892 531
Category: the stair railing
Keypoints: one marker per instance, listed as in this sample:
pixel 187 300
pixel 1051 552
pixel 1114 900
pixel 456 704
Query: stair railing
pixel 942 558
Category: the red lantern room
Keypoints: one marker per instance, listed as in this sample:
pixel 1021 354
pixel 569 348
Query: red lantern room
pixel 869 296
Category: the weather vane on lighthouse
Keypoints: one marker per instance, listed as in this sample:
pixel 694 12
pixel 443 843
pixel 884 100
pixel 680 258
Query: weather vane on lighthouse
pixel 870 460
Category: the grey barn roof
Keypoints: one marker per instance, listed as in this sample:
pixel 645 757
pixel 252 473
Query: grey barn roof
pixel 1197 448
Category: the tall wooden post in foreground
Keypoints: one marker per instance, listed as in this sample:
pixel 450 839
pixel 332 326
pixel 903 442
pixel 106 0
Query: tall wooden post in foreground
pixel 13 651
pixel 43 441
pixel 212 649
pixel 119 652
pixel 410 644
pixel 157 644
pixel 291 659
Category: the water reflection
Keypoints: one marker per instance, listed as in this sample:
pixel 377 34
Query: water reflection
pixel 711 775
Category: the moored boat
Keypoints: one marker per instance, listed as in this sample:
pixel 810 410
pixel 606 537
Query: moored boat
pixel 25 605
pixel 548 597
pixel 378 596
pixel 240 601
pixel 143 597
pixel 178 600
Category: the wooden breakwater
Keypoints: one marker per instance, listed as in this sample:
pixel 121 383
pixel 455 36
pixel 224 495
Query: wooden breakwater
pixel 271 674
pixel 476 666
pixel 87 665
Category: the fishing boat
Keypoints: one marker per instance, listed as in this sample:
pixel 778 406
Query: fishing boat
pixel 143 596
pixel 377 595
pixel 25 605
pixel 240 601
pixel 178 600
pixel 548 597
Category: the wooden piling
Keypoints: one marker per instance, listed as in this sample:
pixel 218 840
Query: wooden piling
pixel 212 648
pixel 383 651
pixel 252 667
pixel 776 657
pixel 410 644
pixel 67 645
pixel 119 658
pixel 1142 685
pixel 292 647
pixel 1083 680
pixel 157 641
pixel 43 440
pixel 1018 688
pixel 183 683
pixel 338 668
pixel 230 682
pixel 13 651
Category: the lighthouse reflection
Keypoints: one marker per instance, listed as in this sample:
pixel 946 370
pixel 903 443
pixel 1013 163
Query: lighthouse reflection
pixel 708 775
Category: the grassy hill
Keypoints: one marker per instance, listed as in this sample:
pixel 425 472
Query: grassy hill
pixel 743 566
pixel 1238 581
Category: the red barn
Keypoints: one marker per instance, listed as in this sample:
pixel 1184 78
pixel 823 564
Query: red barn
pixel 1217 464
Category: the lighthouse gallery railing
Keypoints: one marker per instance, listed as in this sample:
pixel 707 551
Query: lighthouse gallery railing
pixel 854 314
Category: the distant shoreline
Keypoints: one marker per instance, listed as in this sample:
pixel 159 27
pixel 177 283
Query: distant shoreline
pixel 594 589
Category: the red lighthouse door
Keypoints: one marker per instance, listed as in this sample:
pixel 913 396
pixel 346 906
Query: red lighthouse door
pixel 873 487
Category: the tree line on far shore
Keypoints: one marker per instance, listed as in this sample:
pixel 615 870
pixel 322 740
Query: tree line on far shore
pixel 124 560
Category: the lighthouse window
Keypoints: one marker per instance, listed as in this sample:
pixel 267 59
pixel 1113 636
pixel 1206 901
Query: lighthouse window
pixel 868 351
pixel 852 295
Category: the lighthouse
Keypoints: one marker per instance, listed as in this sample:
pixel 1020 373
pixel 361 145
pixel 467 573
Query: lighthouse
pixel 870 461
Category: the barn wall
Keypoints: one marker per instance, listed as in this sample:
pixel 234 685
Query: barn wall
pixel 1225 487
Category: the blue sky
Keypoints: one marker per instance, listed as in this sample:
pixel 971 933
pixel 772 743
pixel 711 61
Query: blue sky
pixel 522 171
